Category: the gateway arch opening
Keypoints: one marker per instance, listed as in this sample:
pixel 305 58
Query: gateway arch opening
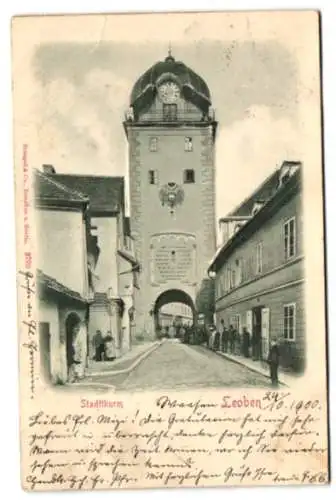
pixel 174 313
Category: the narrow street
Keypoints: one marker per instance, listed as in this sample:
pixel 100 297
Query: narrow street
pixel 176 366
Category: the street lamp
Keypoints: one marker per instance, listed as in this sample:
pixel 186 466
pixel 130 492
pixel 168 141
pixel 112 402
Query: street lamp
pixel 212 275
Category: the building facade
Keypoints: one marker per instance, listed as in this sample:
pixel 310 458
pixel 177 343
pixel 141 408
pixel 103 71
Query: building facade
pixel 64 282
pixel 259 268
pixel 171 129
pixel 128 272
pixel 175 313
pixel 111 308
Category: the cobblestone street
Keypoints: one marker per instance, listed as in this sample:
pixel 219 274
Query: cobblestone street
pixel 175 366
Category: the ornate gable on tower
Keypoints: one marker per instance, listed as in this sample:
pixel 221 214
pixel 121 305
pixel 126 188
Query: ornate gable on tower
pixel 170 91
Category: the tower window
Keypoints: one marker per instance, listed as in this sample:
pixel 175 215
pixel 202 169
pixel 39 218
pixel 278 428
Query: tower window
pixel 188 144
pixel 189 176
pixel 152 177
pixel 170 112
pixel 153 144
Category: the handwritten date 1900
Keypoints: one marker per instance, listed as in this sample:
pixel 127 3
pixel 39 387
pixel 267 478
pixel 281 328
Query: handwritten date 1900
pixel 280 401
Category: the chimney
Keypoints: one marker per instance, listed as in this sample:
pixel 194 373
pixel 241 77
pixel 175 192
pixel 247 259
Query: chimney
pixel 287 169
pixel 48 169
pixel 257 206
pixel 291 163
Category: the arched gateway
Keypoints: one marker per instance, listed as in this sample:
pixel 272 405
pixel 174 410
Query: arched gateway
pixel 172 296
pixel 171 131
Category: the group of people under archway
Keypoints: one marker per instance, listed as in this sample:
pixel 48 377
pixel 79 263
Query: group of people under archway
pixel 183 332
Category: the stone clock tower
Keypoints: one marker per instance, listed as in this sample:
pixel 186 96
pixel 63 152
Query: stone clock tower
pixel 171 133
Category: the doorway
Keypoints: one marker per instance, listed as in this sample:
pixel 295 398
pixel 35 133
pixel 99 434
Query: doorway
pixel 71 322
pixel 265 333
pixel 256 332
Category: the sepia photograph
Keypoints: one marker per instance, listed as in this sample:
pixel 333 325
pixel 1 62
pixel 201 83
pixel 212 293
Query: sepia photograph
pixel 170 250
pixel 174 261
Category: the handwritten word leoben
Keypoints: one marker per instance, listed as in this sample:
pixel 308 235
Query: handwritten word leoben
pixel 177 442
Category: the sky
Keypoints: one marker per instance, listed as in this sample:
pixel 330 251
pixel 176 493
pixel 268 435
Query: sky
pixel 82 90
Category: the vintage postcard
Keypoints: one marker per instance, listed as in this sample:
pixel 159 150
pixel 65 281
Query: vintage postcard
pixel 170 250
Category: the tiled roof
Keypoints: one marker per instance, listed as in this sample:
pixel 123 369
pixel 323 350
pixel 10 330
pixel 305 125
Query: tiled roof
pixel 265 191
pixel 45 281
pixel 280 195
pixel 106 194
pixel 49 189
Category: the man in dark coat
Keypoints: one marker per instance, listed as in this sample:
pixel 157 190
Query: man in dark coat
pixel 216 339
pixel 98 344
pixel 246 342
pixel 187 333
pixel 224 336
pixel 273 361
pixel 232 339
pixel 193 335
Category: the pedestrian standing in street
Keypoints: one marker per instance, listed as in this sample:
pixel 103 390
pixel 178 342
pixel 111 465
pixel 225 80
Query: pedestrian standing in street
pixel 209 336
pixel 186 335
pixel 221 335
pixel 182 333
pixel 172 331
pixel 216 341
pixel 201 335
pixel 246 342
pixel 110 349
pixel 273 361
pixel 212 332
pixel 206 334
pixel 98 345
pixel 192 334
pixel 232 339
pixel 238 343
pixel 225 337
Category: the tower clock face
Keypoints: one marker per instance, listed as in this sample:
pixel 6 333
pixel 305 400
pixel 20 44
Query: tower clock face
pixel 169 92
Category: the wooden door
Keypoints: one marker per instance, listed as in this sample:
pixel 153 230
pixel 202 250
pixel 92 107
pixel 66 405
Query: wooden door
pixel 265 332
pixel 256 333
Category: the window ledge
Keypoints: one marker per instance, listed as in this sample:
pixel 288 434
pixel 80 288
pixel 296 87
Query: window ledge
pixel 293 260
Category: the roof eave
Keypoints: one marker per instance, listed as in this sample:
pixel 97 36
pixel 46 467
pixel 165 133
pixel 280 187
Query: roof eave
pixel 267 210
pixel 59 289
pixel 41 202
pixel 254 193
